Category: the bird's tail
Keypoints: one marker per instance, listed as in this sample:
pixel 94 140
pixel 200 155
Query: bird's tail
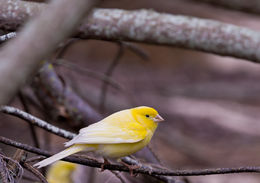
pixel 71 150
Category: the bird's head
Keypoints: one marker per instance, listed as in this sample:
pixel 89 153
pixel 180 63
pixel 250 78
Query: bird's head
pixel 147 116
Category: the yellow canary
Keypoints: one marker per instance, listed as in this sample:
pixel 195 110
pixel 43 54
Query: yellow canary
pixel 61 172
pixel 120 134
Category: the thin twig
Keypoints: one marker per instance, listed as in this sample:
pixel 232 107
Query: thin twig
pixel 3 171
pixel 117 175
pixel 153 28
pixel 36 121
pixel 13 169
pixel 87 72
pixel 7 36
pixel 34 158
pixel 31 126
pixel 143 169
pixel 137 50
pixel 38 30
pixel 109 73
pixel 35 172
pixel 64 47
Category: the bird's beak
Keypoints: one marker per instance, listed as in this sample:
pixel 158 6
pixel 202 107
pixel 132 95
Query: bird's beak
pixel 158 118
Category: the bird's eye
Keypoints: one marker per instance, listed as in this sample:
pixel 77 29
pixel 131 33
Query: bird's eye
pixel 147 115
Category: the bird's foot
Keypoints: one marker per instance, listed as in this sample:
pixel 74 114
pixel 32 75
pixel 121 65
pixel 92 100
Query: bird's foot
pixel 106 162
pixel 131 168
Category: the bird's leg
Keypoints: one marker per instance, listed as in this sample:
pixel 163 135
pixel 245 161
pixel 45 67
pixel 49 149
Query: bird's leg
pixel 106 162
pixel 131 168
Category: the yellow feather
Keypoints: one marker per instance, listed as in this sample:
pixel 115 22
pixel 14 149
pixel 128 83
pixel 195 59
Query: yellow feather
pixel 61 172
pixel 120 134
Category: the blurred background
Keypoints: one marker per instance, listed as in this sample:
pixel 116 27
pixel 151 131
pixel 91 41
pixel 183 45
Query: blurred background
pixel 210 103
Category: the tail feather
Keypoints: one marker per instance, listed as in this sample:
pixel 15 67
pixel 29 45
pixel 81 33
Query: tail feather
pixel 71 150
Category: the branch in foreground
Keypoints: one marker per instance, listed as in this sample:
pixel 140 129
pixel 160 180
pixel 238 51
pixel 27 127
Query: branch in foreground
pixel 143 170
pixel 36 40
pixel 35 172
pixel 154 28
pixel 36 121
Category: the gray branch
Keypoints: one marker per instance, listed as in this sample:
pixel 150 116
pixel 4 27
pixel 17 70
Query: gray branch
pixel 52 87
pixel 154 28
pixel 36 121
pixel 36 41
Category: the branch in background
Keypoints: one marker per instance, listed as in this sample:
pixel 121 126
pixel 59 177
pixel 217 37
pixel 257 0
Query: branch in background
pixel 55 94
pixel 36 40
pixel 109 73
pixel 87 72
pixel 10 170
pixel 143 169
pixel 8 36
pixel 250 6
pixel 187 32
pixel 4 173
pixel 35 172
pixel 31 126
pixel 154 28
pixel 136 49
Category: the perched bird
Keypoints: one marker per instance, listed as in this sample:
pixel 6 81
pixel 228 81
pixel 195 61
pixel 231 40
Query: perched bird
pixel 120 134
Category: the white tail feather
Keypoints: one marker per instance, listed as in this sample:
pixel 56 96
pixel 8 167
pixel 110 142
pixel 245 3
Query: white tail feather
pixel 71 150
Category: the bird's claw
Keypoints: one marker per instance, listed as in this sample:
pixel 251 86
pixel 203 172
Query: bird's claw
pixel 131 168
pixel 106 162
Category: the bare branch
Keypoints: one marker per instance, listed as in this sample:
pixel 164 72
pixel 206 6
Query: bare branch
pixel 3 171
pixel 37 35
pixel 109 73
pixel 8 36
pixel 87 72
pixel 181 31
pixel 137 50
pixel 57 94
pixel 143 169
pixel 36 121
pixel 35 172
pixel 158 28
pixel 31 126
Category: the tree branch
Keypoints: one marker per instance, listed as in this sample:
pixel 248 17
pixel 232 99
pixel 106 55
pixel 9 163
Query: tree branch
pixel 156 28
pixel 143 169
pixel 36 121
pixel 8 36
pixel 35 172
pixel 38 35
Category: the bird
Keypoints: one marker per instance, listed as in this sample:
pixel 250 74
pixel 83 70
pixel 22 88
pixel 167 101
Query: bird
pixel 120 134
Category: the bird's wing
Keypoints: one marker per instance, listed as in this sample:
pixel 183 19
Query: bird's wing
pixel 110 133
